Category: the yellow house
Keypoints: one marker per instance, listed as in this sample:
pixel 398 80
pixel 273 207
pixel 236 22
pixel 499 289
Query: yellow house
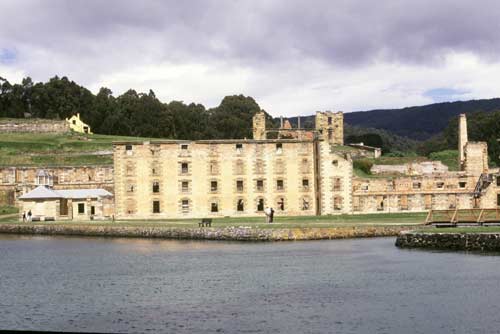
pixel 76 124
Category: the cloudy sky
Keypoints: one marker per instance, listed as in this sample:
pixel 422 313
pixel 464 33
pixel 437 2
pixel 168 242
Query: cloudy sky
pixel 293 57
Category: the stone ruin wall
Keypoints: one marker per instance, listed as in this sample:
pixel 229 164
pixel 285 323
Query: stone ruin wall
pixel 34 126
pixel 15 181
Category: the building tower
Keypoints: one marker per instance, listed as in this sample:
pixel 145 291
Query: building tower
pixel 259 126
pixel 330 126
pixel 462 140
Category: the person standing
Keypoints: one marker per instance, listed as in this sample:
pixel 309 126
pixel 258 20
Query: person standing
pixel 24 216
pixel 267 211
pixel 29 215
pixel 271 216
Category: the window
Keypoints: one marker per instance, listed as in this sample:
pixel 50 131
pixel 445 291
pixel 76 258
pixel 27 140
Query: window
pixel 259 167
pixel 184 146
pixel 380 203
pixel 329 121
pixel 239 148
pixel 279 148
pixel 184 168
pixel 305 184
pixel 337 182
pixel 260 185
pixel 81 208
pixel 440 185
pixel 462 184
pixel 214 207
pixel 330 133
pixel 279 185
pixel 305 204
pixel 156 187
pixel 156 206
pixel 337 203
pixel 185 205
pixel 185 186
pixel 240 206
pixel 213 186
pixel 239 185
pixel 498 200
pixel 417 185
pixel 335 163
pixel 260 204
pixel 130 188
pixel 281 204
pixel 74 122
pixel 128 147
pixel 63 207
pixel 92 210
pixel 214 167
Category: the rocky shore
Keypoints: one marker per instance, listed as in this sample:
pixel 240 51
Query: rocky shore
pixel 450 240
pixel 227 233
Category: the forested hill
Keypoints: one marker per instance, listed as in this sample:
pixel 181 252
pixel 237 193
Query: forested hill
pixel 419 122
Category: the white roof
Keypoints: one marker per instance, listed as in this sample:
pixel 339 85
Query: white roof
pixel 44 192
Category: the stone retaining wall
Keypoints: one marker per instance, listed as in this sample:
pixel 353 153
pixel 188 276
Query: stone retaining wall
pixel 452 241
pixel 227 233
pixel 34 126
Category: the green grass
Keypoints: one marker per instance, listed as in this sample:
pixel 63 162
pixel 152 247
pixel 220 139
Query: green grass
pixel 447 157
pixel 259 222
pixel 6 210
pixel 70 149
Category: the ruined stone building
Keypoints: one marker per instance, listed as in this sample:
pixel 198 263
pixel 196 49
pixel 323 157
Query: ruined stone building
pixel 417 190
pixel 301 172
pixel 16 181
pixel 304 175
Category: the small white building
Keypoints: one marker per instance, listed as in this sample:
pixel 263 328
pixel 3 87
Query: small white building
pixel 73 204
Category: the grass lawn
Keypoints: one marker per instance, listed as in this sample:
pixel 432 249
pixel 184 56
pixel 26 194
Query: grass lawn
pixel 6 210
pixel 45 149
pixel 406 219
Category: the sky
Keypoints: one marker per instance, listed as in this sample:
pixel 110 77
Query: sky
pixel 293 57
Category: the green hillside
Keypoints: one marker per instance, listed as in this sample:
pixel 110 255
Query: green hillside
pixel 71 149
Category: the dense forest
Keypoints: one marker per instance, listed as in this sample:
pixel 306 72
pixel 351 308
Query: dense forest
pixel 131 114
pixel 399 131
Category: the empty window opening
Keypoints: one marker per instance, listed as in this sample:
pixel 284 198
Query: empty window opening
pixel 213 186
pixel 81 208
pixel 260 185
pixel 305 204
pixel 329 121
pixel 185 205
pixel 239 148
pixel 305 184
pixel 280 185
pixel 184 168
pixel 281 204
pixel 240 206
pixel 156 187
pixel 128 147
pixel 260 204
pixel 185 186
pixel 440 185
pixel 279 148
pixel 335 163
pixel 462 184
pixel 214 207
pixel 239 185
pixel 156 206
pixel 417 185
pixel 184 146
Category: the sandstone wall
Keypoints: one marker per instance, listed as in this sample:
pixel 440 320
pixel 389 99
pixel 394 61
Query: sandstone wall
pixel 450 240
pixel 34 126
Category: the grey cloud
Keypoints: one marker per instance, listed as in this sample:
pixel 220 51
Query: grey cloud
pixel 110 34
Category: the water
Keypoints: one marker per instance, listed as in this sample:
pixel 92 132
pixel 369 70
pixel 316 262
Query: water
pixel 339 286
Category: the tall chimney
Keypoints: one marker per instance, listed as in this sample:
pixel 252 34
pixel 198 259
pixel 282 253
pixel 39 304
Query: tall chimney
pixel 298 122
pixel 281 122
pixel 462 139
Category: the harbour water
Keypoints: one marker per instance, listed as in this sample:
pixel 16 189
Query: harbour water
pixel 337 286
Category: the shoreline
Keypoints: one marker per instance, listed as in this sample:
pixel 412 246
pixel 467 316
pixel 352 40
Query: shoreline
pixel 476 241
pixel 208 233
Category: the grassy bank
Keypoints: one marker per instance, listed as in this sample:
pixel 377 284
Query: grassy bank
pixel 368 220
pixel 69 149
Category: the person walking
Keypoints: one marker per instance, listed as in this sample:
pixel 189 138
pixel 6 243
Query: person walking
pixel 267 211
pixel 29 215
pixel 271 216
pixel 24 216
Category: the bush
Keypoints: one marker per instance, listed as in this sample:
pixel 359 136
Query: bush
pixel 363 165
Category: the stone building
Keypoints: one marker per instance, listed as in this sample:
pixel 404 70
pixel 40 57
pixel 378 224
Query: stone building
pixel 473 186
pixel 46 204
pixel 304 175
pixel 16 181
pixel 77 125
pixel 216 178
